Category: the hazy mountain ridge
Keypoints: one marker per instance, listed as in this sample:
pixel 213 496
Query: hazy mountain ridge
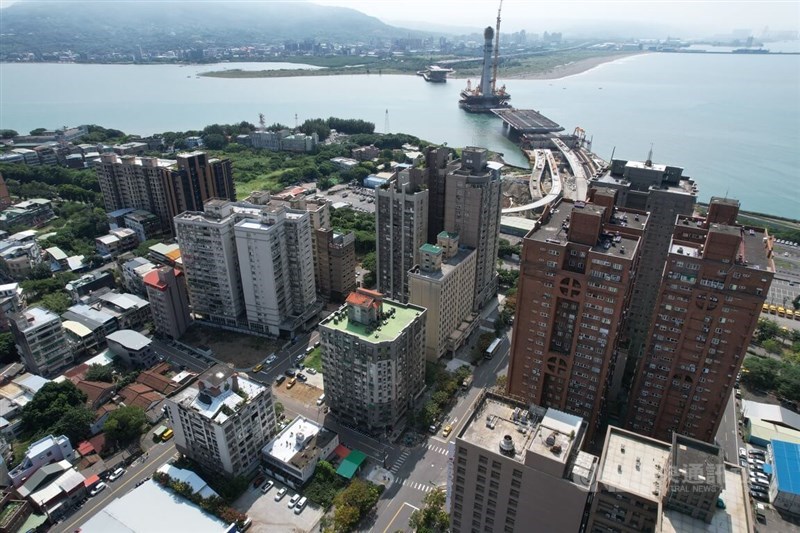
pixel 124 26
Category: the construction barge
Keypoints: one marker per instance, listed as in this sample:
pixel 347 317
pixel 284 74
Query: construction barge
pixel 435 74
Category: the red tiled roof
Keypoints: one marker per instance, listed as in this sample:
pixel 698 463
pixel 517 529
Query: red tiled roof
pixel 85 448
pixel 362 300
pixel 157 381
pixel 91 480
pixel 77 373
pixel 99 442
pixel 342 451
pixel 151 279
pixel 94 389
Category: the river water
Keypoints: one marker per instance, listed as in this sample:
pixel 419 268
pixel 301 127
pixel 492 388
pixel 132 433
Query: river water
pixel 731 121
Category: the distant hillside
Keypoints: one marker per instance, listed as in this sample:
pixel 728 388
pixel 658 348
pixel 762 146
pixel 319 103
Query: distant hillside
pixel 102 25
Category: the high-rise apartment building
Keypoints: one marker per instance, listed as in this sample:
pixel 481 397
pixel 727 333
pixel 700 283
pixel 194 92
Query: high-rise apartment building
pixel 223 420
pixel 443 283
pixel 277 268
pixel 647 485
pixel 438 163
pixel 664 192
pixel 163 187
pixel 336 264
pixel 169 301
pixel 576 271
pixel 715 281
pixel 373 360
pixel 472 210
pixel 249 266
pixel 401 220
pixel 211 264
pixel 519 468
pixel 41 341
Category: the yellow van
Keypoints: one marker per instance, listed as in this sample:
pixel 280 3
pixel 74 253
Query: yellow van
pixel 290 383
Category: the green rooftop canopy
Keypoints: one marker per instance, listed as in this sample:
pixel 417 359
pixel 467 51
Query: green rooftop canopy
pixel 351 464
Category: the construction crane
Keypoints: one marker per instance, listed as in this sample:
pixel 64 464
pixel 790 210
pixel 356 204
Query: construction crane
pixel 496 47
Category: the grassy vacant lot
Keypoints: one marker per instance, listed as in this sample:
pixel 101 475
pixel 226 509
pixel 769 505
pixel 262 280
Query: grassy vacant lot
pixel 237 348
pixel 314 360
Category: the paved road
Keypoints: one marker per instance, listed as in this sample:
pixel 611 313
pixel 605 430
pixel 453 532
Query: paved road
pixel 157 456
pixel 728 433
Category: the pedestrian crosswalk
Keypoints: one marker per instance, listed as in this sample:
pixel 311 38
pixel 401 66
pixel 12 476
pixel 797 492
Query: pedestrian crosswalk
pixel 399 462
pixel 423 487
pixel 438 449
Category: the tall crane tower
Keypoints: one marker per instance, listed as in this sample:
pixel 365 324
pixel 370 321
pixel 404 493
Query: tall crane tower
pixel 496 48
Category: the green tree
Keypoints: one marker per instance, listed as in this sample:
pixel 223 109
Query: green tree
pixel 767 329
pixel 57 302
pixel 75 423
pixel 8 348
pixel 215 141
pixel 345 518
pixel 761 373
pixel 100 373
pixel 773 346
pixel 38 131
pixel 432 518
pixel 125 424
pixel 279 409
pixel 789 382
pixel 48 406
pixel 8 134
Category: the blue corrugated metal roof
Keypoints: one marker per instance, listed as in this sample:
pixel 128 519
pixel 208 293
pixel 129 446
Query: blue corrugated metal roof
pixel 787 465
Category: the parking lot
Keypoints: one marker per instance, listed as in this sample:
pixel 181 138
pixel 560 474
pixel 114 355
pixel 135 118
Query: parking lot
pixel 271 516
pixel 359 198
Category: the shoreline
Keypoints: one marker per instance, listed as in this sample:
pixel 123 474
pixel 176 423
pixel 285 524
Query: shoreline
pixel 573 68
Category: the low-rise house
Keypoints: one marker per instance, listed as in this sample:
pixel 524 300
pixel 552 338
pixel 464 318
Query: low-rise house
pixel 88 284
pixel 116 242
pixel 29 213
pixel 145 224
pixel 57 258
pixel 97 392
pixel 166 254
pixel 157 379
pixel 293 454
pixel 365 153
pixel 95 319
pixel 11 301
pixel 40 453
pixel 54 489
pixel 19 253
pixel 133 273
pixel 131 311
pixel 133 348
pixel 142 396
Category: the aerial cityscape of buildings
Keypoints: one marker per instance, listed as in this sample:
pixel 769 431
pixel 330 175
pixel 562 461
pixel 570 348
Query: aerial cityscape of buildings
pixel 498 349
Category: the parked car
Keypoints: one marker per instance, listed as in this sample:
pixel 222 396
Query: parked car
pixel 446 431
pixel 301 504
pixel 280 494
pixel 258 481
pixel 290 372
pixel 311 371
pixel 280 379
pixel 268 485
pixel 321 399
pixel 302 377
pixel 743 453
pixel 293 500
pixel 271 359
pixel 291 383
pixel 116 474
pixel 97 489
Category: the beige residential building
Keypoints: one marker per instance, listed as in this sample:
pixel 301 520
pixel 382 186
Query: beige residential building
pixel 519 468
pixel 443 283
pixel 223 420
pixel 649 486
pixel 41 341
pixel 373 360
pixel 473 196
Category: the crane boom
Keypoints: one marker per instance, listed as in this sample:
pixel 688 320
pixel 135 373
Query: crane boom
pixel 496 47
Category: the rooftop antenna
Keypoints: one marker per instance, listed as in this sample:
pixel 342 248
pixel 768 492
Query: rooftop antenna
pixel 649 162
pixel 612 152
pixel 386 123
pixel 295 121
pixel 496 48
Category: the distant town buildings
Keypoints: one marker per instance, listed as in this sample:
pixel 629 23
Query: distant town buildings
pixel 283 140
pixel 223 421
pixel 373 360
pixel 163 187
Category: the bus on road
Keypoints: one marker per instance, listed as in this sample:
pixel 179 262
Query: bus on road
pixel 493 348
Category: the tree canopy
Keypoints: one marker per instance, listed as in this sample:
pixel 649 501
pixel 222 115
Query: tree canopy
pixel 432 518
pixel 58 408
pixel 100 373
pixel 125 424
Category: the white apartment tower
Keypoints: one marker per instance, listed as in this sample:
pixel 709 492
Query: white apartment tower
pixel 223 420
pixel 41 341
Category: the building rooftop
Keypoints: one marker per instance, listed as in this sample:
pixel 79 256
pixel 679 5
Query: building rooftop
pixel 35 317
pixel 397 317
pixel 787 466
pixel 448 265
pixel 130 339
pixel 505 427
pixel 174 513
pixel 297 444
pixel 735 518
pixel 197 484
pixel 612 241
pixel 636 464
pixel 124 301
pixel 754 252
pixel 216 407
pixel 687 453
pixel 430 248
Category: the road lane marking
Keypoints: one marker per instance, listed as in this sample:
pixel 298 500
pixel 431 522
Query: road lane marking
pixel 397 513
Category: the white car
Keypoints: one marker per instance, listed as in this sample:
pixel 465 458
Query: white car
pixel 271 359
pixel 743 453
pixel 293 500
pixel 116 474
pixel 280 494
pixel 97 489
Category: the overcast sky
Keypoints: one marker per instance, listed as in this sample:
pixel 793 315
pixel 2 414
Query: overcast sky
pixel 695 16
pixel 530 15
